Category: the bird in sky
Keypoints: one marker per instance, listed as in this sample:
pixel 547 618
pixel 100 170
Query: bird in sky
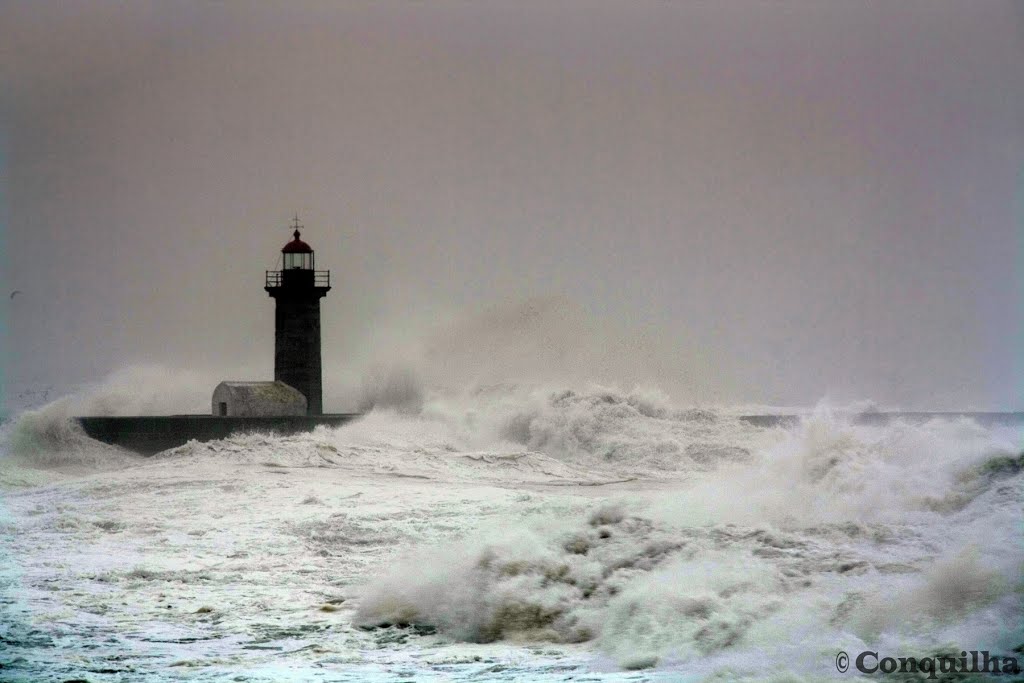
pixel 15 293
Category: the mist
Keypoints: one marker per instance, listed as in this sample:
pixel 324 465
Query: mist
pixel 754 202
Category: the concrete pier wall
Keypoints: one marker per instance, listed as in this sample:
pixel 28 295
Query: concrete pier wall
pixel 149 434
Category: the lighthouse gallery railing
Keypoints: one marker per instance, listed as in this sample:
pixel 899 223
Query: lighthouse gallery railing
pixel 321 278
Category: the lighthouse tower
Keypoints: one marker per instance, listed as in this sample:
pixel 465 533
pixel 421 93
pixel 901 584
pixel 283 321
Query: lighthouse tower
pixel 297 288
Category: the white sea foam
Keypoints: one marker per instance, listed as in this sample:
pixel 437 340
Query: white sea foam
pixel 491 516
pixel 809 525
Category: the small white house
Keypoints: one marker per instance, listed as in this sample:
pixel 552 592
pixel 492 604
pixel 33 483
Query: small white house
pixel 257 399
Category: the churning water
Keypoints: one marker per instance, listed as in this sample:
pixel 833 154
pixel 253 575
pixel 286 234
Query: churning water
pixel 510 534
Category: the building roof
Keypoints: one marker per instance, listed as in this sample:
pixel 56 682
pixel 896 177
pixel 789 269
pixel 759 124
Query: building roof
pixel 277 391
pixel 297 246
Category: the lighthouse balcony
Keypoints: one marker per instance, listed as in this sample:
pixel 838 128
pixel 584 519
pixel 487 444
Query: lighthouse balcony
pixel 298 276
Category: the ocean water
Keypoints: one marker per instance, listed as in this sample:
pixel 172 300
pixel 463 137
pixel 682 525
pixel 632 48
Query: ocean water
pixel 510 534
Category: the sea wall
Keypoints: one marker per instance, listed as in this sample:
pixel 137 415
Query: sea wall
pixel 149 434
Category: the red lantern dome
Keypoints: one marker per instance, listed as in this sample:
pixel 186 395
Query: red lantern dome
pixel 297 246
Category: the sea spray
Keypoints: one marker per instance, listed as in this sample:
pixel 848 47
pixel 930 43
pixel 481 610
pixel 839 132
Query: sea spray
pixel 395 388
pixel 840 530
pixel 49 437
pixel 726 544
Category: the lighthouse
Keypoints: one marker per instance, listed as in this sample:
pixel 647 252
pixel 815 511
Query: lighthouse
pixel 297 289
pixel 292 403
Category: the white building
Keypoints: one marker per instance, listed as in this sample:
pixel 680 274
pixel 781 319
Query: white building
pixel 257 399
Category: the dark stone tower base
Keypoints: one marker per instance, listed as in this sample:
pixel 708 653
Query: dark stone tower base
pixel 297 360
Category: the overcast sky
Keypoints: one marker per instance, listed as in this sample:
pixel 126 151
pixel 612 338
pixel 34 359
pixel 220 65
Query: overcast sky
pixel 738 201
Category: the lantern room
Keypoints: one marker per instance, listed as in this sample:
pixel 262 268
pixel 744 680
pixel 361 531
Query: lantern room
pixel 297 254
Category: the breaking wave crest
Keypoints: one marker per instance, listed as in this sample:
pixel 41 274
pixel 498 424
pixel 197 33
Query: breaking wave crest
pixel 48 437
pixel 638 431
pixel 845 534
pixel 611 577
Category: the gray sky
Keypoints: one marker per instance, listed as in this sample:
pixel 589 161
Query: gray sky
pixel 738 201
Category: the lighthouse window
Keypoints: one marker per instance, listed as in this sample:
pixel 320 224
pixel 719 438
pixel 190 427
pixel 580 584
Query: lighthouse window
pixel 304 261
